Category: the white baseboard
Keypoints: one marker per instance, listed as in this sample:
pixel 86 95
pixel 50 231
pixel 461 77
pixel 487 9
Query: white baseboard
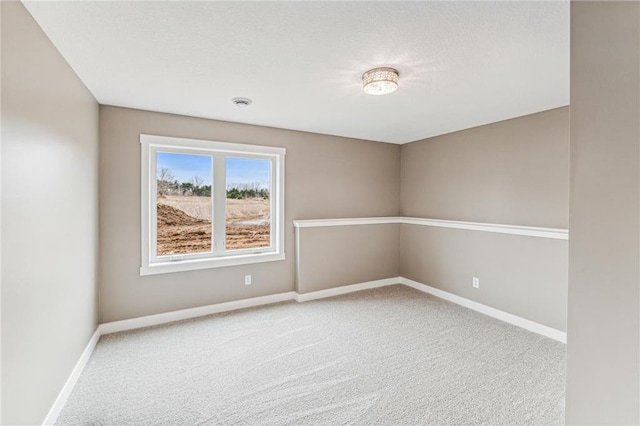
pixel 134 323
pixel 535 327
pixel 57 406
pixel 336 291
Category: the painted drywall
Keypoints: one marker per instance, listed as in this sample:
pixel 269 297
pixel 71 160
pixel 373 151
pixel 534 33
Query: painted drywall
pixel 49 218
pixel 331 257
pixel 603 352
pixel 326 177
pixel 512 172
pixel 521 275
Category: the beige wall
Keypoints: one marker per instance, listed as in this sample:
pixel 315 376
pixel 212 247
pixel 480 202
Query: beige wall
pixel 521 275
pixel 326 177
pixel 512 172
pixel 49 218
pixel 333 257
pixel 603 353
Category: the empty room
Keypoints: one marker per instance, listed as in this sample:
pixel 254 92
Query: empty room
pixel 320 212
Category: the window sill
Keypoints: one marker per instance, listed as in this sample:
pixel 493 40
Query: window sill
pixel 217 262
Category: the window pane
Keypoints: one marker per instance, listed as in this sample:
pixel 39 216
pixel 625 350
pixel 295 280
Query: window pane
pixel 184 203
pixel 248 221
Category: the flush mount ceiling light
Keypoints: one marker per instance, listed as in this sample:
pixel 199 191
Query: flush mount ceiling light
pixel 380 81
pixel 241 102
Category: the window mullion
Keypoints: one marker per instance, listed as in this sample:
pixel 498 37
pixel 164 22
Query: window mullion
pixel 219 203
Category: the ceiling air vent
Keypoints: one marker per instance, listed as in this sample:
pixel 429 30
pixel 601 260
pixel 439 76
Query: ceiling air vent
pixel 241 102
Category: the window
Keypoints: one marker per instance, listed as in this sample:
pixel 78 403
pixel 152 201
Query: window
pixel 208 204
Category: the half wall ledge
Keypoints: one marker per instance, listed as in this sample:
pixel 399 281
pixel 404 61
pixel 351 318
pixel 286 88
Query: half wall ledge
pixel 531 231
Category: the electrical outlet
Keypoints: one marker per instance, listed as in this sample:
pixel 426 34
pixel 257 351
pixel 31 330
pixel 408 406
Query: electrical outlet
pixel 476 282
pixel 247 280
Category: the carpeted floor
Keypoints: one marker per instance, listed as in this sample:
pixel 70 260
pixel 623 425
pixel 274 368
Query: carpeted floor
pixel 387 356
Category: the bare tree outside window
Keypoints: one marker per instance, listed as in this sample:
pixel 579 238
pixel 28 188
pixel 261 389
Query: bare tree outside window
pixel 197 181
pixel 165 180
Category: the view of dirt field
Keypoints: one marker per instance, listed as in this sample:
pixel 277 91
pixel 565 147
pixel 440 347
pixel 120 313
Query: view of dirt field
pixel 248 223
pixel 179 233
pixel 184 224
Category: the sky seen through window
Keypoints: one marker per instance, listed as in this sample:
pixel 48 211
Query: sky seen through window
pixel 240 171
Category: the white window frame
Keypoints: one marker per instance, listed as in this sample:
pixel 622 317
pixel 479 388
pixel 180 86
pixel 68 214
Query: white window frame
pixel 219 256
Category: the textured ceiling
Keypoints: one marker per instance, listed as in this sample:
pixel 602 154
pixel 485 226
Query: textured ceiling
pixel 461 64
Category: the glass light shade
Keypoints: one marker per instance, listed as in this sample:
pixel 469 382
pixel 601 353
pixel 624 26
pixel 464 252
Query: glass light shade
pixel 380 81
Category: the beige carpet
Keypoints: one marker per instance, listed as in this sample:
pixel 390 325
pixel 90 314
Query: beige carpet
pixel 386 356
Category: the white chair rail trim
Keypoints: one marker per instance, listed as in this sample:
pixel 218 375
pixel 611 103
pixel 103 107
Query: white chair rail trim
pixel 530 231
